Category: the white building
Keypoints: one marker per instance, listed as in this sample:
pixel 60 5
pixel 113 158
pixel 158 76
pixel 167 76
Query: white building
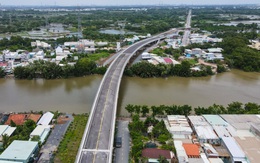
pixel 178 126
pixel 203 130
pixel 40 44
pixel 42 131
pixel 6 130
pixel 236 154
pixel 146 55
pixel 180 151
pixel 45 119
pixel 40 54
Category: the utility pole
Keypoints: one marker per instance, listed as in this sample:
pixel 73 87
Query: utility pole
pixel 79 26
pixel 10 19
pixel 122 33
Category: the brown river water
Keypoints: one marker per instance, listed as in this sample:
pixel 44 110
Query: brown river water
pixel 76 95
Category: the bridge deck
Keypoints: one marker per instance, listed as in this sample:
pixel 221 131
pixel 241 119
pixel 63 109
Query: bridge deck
pixel 97 142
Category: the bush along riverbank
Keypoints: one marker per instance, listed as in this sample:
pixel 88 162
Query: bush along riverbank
pixel 50 70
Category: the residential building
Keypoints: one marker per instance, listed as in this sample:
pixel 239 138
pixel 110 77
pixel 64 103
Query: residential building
pixel 178 126
pixel 40 44
pixel 40 54
pixel 255 44
pixel 203 130
pixel 146 55
pixel 42 131
pixel 180 151
pixel 220 126
pixel 20 151
pixel 192 150
pixel 19 119
pixel 153 153
pixel 45 119
pixel 6 130
pixel 236 153
pixel 210 151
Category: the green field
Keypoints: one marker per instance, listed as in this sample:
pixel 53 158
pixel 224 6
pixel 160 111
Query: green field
pixel 68 148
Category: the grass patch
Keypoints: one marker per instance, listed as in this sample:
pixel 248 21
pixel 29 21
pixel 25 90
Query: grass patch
pixel 98 56
pixel 159 52
pixel 192 61
pixel 68 147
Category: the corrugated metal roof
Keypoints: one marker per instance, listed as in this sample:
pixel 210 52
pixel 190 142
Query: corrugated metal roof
pixel 233 147
pixel 19 150
pixel 45 119
pixel 215 120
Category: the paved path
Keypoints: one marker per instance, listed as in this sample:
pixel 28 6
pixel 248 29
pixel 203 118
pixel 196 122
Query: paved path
pixel 54 140
pixel 122 154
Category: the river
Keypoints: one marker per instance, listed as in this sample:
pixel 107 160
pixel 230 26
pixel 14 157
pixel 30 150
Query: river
pixel 76 95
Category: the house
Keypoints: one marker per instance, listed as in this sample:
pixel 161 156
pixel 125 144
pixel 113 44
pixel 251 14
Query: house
pixel 20 151
pixel 19 119
pixel 45 119
pixel 6 130
pixel 203 130
pixel 40 54
pixel 236 153
pixel 180 151
pixel 192 150
pixel 146 55
pixel 210 151
pixel 40 44
pixel 178 126
pixel 42 131
pixel 255 44
pixel 168 60
pixel 10 56
pixel 154 153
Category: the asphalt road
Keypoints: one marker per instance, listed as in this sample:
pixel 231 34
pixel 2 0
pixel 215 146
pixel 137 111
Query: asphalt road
pixel 97 141
pixel 185 38
pixel 122 154
pixel 54 140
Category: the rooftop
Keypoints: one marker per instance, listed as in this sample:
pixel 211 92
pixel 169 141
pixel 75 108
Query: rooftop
pixel 215 120
pixel 45 119
pixel 17 150
pixel 241 122
pixel 191 149
pixel 19 119
pixel 205 132
pixel 156 153
pixel 233 147
pixel 250 145
pixel 198 121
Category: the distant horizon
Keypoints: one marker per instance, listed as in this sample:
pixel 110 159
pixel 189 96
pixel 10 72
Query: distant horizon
pixel 108 3
pixel 130 5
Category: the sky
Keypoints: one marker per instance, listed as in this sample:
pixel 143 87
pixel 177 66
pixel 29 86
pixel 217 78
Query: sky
pixel 123 2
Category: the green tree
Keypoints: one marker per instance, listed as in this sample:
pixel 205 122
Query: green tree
pixel 144 110
pixel 2 72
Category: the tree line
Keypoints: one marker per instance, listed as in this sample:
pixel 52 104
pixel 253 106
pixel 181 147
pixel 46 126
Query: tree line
pixel 232 108
pixel 50 70
pixel 148 70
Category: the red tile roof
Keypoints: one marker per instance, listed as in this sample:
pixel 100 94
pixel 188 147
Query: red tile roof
pixel 191 149
pixel 156 153
pixel 19 119
pixel 168 60
pixel 34 117
pixel 2 64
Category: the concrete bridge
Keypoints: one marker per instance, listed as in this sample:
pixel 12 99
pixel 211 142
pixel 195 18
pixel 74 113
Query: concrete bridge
pixel 97 142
